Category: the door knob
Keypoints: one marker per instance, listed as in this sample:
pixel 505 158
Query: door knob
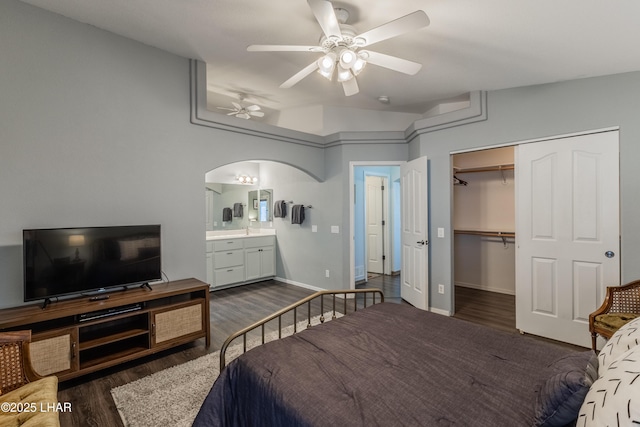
pixel 609 254
pixel 423 242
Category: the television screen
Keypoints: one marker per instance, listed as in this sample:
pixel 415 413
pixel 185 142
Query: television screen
pixel 64 261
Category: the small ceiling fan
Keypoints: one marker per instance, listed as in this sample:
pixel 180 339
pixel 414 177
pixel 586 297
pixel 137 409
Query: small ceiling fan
pixel 243 112
pixel 341 46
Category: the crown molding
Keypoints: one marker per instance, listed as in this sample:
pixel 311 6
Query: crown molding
pixel 477 111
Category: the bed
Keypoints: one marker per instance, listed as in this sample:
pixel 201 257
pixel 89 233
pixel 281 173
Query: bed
pixel 392 364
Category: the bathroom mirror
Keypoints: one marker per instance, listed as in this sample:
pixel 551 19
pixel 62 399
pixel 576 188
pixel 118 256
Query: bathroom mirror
pixel 259 205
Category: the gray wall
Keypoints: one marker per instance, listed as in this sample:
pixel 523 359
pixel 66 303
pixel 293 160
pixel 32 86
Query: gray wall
pixel 94 130
pixel 533 112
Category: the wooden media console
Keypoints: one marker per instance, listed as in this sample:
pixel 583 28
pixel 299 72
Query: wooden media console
pixel 77 336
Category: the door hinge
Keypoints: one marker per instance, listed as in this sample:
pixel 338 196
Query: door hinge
pixel 384 257
pixel 382 187
pixel 383 222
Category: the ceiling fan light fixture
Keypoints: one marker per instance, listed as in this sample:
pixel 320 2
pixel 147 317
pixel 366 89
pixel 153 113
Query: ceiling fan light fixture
pixel 358 66
pixel 344 74
pixel 347 58
pixel 326 65
pixel 341 44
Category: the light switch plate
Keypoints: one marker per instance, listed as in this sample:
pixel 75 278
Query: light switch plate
pixel 314 228
pixel 335 229
pixel 441 232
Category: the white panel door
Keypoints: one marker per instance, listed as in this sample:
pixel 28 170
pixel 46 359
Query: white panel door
pixel 415 258
pixel 373 219
pixel 567 231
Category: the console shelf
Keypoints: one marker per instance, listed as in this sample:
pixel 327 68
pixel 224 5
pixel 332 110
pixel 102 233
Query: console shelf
pixel 113 338
pixel 168 315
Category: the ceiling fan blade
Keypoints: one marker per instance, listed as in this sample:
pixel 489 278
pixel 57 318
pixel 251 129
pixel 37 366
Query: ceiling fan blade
pixel 323 11
pixel 282 48
pixel 233 113
pixel 235 104
pixel 243 116
pixel 256 113
pixel 350 87
pixel 300 75
pixel 228 109
pixel 410 22
pixel 392 62
pixel 253 108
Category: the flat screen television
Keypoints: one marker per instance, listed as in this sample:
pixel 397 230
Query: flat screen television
pixel 66 261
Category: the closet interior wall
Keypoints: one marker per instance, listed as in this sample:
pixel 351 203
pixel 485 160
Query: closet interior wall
pixel 484 220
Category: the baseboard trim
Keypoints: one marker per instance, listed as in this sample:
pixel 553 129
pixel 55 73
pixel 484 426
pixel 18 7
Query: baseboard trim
pixel 310 287
pixel 440 311
pixel 299 284
pixel 485 288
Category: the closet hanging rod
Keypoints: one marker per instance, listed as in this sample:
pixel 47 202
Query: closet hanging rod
pixel 504 235
pixel 507 234
pixel 504 167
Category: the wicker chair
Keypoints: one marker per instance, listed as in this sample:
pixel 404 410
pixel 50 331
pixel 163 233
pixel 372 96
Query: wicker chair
pixel 22 387
pixel 621 305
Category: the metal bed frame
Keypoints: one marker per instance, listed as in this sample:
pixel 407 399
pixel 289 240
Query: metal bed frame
pixel 293 307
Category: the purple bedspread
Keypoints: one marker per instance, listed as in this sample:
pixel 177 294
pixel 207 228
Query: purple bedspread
pixel 387 365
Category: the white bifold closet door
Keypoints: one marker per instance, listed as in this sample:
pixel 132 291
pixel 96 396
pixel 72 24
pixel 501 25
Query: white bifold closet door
pixel 567 228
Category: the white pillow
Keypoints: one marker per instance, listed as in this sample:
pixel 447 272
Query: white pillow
pixel 625 338
pixel 614 399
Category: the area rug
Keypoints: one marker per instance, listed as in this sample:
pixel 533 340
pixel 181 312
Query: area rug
pixel 173 396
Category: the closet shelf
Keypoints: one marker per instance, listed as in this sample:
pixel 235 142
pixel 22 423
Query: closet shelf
pixel 503 167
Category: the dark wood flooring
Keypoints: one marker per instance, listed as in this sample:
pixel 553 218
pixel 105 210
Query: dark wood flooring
pixel 488 308
pixel 231 310
pixel 235 308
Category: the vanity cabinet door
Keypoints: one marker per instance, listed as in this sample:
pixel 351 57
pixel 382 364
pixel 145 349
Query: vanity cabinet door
pixel 268 261
pixel 259 262
pixel 252 262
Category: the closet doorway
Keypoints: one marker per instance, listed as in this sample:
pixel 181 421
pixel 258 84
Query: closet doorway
pixel 375 251
pixel 484 236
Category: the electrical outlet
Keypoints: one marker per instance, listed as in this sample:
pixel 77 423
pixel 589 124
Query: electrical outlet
pixel 441 289
pixel 314 228
pixel 326 273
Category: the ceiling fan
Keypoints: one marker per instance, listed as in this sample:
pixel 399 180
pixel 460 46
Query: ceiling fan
pixel 342 47
pixel 243 112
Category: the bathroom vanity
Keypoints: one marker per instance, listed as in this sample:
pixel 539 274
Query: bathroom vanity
pixel 238 258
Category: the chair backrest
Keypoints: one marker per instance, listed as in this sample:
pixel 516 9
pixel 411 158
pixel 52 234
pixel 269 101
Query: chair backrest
pixel 13 356
pixel 626 299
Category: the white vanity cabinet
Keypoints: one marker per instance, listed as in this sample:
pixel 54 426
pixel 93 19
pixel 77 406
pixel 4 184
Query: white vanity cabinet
pixel 240 260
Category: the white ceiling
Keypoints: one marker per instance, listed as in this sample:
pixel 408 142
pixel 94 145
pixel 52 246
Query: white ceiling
pixel 470 45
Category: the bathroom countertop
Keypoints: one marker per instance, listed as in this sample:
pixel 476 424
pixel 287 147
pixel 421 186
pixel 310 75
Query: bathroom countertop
pixel 238 234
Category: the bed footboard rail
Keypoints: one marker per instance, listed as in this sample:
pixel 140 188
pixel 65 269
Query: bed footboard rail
pixel 294 307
